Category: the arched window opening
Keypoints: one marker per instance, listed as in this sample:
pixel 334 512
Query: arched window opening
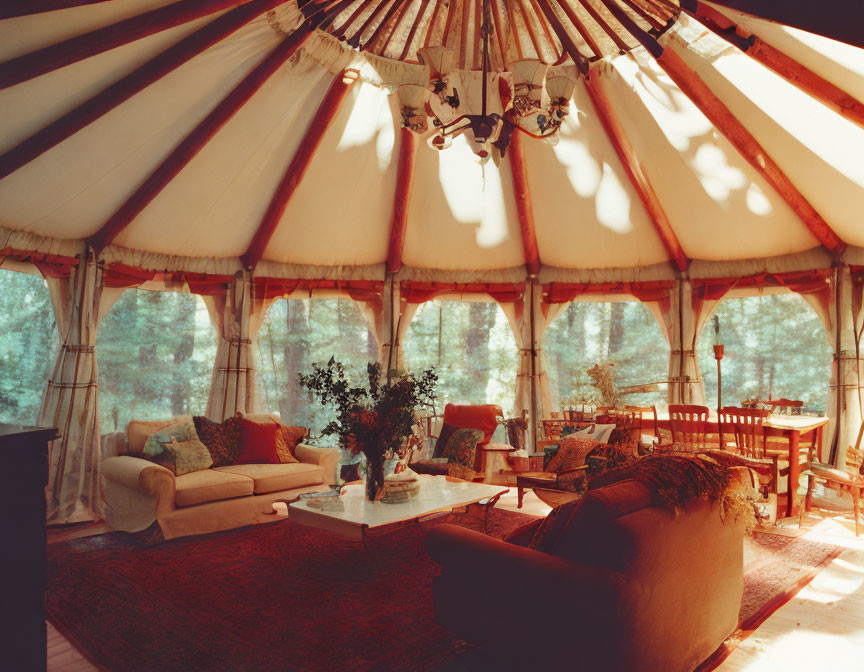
pixel 621 333
pixel 28 345
pixel 775 346
pixel 155 352
pixel 472 348
pixel 298 332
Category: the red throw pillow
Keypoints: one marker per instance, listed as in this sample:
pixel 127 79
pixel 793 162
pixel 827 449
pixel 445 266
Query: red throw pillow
pixel 257 443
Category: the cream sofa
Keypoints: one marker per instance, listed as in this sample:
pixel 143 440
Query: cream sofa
pixel 136 492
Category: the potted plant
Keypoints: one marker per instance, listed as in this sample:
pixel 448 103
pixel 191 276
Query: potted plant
pixel 374 419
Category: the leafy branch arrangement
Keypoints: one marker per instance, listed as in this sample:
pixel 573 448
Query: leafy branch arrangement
pixel 373 419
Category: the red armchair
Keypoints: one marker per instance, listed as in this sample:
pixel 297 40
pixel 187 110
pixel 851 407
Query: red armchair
pixel 622 585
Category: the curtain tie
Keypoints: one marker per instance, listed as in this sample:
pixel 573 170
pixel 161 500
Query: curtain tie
pixel 79 348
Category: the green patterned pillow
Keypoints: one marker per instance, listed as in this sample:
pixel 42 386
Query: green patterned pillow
pixel 183 457
pixel 182 430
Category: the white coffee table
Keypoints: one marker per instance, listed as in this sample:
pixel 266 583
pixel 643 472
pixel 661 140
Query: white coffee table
pixel 360 517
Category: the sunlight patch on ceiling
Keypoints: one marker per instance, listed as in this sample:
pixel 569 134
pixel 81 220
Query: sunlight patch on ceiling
pixel 836 141
pixel 613 203
pixel 370 119
pixel 473 192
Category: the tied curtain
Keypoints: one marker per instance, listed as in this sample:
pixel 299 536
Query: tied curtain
pixel 237 314
pixel 70 402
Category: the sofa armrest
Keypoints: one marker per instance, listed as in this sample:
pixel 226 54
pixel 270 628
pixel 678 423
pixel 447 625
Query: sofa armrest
pixel 322 456
pixel 482 560
pixel 144 476
pixel 113 444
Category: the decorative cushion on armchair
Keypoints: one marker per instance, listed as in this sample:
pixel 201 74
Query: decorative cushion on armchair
pixel 483 417
pixel 460 453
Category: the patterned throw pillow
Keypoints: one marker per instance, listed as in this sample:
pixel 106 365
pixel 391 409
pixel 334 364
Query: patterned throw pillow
pixel 183 457
pixel 460 451
pixel 221 438
pixel 287 440
pixel 182 430
pixel 572 453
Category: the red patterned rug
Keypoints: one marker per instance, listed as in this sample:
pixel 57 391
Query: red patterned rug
pixel 271 597
pixel 287 597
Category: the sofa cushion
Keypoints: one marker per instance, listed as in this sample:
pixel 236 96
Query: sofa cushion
pixel 257 442
pixel 221 438
pixel 292 436
pixel 275 477
pixel 210 485
pixel 181 431
pixel 183 457
pixel 138 431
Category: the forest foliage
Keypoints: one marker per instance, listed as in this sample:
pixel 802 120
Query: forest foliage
pixel 155 351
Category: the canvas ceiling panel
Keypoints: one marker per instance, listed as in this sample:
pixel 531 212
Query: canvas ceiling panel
pixel 586 212
pixel 718 204
pixel 340 213
pixel 32 105
pixel 819 150
pixel 460 217
pixel 24 34
pixel 71 190
pixel 215 204
pixel 838 62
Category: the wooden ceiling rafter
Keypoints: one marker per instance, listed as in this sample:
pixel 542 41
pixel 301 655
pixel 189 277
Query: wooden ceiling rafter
pixel 785 66
pixel 560 52
pixel 524 208
pixel 408 142
pixel 581 29
pixel 722 118
pixel 12 9
pixel 511 19
pixel 406 6
pixel 464 34
pixel 296 170
pixel 354 40
pixel 476 62
pixel 418 19
pixel 604 25
pixel 346 25
pixel 645 15
pixel 528 29
pixel 433 20
pixel 500 38
pixel 42 61
pixel 195 140
pixel 634 169
pixel 122 90
pixel 566 41
pixel 385 22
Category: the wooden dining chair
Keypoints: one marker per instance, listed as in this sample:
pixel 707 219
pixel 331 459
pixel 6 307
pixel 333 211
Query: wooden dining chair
pixel 689 424
pixel 647 440
pixel 848 479
pixel 744 443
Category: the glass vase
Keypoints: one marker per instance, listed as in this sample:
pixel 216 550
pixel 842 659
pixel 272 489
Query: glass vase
pixel 374 478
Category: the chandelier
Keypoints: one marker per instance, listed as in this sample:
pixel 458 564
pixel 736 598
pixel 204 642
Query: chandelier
pixel 487 108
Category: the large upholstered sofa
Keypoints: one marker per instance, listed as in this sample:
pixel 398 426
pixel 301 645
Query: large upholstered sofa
pixel 625 586
pixel 136 492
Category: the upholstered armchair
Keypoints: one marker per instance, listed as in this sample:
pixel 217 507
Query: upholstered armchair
pixel 479 417
pixel 616 583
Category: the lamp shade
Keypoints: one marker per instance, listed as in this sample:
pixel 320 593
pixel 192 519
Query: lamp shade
pixel 439 59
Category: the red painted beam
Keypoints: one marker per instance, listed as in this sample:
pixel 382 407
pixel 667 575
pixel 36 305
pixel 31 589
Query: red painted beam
pixel 296 170
pixel 401 199
pixel 9 9
pixel 524 210
pixel 563 36
pixel 718 114
pixel 634 169
pixel 122 90
pixel 78 48
pixel 692 85
pixel 804 78
pixel 200 136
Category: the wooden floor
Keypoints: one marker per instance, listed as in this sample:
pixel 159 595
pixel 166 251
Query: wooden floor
pixel 822 628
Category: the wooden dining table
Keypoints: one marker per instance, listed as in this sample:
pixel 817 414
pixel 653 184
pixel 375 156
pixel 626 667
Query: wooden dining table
pixel 792 428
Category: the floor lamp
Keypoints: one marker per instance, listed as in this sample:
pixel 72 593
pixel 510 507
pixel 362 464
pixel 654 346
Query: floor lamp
pixel 718 355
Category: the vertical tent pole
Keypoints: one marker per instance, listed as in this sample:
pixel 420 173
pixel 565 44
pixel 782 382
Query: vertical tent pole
pixel 530 290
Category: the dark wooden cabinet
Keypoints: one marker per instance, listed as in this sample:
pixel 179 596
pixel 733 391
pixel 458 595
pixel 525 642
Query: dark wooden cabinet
pixel 23 477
